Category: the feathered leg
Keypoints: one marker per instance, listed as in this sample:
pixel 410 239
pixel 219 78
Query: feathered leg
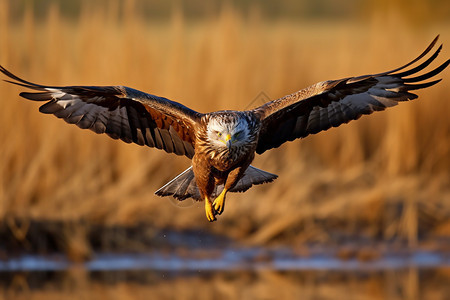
pixel 233 178
pixel 210 213
pixel 205 184
pixel 219 202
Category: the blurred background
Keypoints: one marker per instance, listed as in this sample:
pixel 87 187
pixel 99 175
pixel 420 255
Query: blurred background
pixel 373 188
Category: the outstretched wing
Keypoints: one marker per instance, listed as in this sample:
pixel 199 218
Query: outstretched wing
pixel 120 112
pixel 332 103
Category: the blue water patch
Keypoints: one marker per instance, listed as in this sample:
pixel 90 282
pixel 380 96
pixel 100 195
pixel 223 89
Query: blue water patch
pixel 228 259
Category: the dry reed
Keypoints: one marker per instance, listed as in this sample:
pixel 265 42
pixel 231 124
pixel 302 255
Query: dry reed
pixel 360 174
pixel 266 284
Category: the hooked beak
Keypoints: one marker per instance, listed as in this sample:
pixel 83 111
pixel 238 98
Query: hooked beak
pixel 228 141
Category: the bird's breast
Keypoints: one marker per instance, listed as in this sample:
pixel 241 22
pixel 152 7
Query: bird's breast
pixel 229 159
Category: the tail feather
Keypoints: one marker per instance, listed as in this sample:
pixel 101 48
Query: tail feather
pixel 181 187
pixel 253 176
pixel 184 186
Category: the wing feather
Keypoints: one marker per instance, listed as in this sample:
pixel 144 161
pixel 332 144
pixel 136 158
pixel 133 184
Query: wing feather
pixel 332 103
pixel 120 112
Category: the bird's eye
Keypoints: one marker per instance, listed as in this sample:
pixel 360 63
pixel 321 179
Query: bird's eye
pixel 219 134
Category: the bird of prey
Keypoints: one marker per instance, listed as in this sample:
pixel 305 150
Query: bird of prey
pixel 222 144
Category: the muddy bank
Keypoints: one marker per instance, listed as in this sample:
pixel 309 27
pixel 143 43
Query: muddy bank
pixel 78 284
pixel 79 239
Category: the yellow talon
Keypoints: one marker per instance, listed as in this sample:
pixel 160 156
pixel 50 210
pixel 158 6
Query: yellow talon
pixel 219 202
pixel 210 214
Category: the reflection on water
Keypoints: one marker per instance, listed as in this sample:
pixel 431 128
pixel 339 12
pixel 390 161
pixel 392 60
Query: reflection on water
pixel 410 283
pixel 229 274
pixel 227 259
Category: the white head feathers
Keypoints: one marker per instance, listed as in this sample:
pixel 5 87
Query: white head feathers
pixel 225 131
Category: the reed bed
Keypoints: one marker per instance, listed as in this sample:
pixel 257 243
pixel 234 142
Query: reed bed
pixel 385 176
pixel 77 283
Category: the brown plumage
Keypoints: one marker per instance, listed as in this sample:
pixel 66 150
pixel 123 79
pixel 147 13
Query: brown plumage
pixel 223 144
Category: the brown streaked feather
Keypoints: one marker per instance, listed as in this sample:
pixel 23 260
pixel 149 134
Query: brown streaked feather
pixel 184 185
pixel 332 103
pixel 120 112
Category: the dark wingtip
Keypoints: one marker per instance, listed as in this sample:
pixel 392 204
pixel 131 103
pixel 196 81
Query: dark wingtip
pixel 437 37
pixel 42 96
pixel 427 50
pixel 429 74
pixel 433 43
pixel 3 69
pixel 19 81
pixel 411 87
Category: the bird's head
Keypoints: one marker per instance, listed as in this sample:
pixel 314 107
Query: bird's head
pixel 226 130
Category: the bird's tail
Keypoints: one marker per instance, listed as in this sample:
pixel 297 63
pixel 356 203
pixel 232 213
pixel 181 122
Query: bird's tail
pixel 184 186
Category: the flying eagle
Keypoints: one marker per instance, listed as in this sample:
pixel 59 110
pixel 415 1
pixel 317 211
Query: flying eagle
pixel 222 144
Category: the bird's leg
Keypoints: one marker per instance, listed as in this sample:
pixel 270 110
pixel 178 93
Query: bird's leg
pixel 219 202
pixel 205 184
pixel 233 177
pixel 210 213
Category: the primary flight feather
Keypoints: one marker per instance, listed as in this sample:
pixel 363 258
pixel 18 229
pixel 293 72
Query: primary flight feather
pixel 222 144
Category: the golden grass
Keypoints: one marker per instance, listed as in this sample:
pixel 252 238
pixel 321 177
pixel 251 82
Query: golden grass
pixel 78 284
pixel 361 173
